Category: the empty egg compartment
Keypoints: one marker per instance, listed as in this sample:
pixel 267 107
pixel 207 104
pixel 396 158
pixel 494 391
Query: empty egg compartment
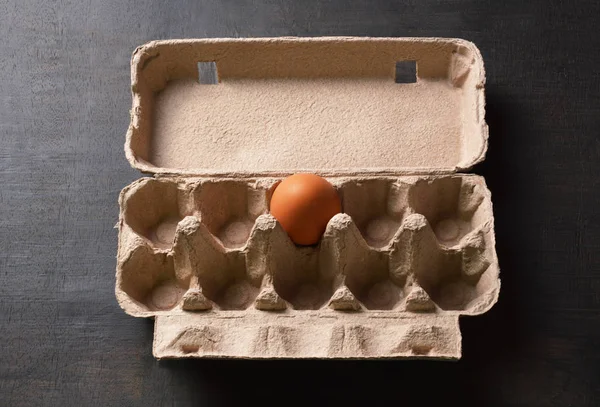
pixel 218 276
pixel 454 205
pixel 203 265
pixel 148 283
pixel 299 280
pixel 152 208
pixel 376 205
pixel 363 280
pixel 229 207
pixel 457 277
pixel 406 258
pixel 293 277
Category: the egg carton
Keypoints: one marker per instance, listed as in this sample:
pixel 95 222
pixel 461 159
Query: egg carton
pixel 219 122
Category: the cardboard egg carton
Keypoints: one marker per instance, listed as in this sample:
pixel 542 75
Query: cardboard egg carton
pixel 390 122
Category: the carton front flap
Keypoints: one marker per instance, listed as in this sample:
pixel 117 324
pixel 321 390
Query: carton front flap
pixel 330 105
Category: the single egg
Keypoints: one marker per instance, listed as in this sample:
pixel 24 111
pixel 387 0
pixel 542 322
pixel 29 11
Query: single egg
pixel 303 204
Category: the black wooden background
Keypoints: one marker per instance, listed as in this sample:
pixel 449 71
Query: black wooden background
pixel 64 100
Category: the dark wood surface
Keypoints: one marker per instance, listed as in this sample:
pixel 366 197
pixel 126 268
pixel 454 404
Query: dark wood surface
pixel 64 100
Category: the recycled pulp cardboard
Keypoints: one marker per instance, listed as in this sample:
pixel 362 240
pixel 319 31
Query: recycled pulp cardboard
pixel 392 123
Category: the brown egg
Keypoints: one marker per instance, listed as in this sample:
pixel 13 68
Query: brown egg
pixel 303 204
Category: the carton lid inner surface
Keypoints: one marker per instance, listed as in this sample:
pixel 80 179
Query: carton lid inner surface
pixel 328 105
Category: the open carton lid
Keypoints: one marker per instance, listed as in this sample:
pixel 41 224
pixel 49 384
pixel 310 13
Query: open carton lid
pixel 329 105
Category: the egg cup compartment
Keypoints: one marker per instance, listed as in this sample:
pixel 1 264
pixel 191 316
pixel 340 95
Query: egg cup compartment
pixel 219 122
pixel 153 207
pixel 450 278
pixel 362 274
pixel 377 206
pixel 299 282
pixel 453 206
pixel 218 276
pixel 229 208
pixel 148 284
pixel 373 288
pixel 294 276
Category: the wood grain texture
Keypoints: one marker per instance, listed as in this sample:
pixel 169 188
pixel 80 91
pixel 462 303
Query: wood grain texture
pixel 64 100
